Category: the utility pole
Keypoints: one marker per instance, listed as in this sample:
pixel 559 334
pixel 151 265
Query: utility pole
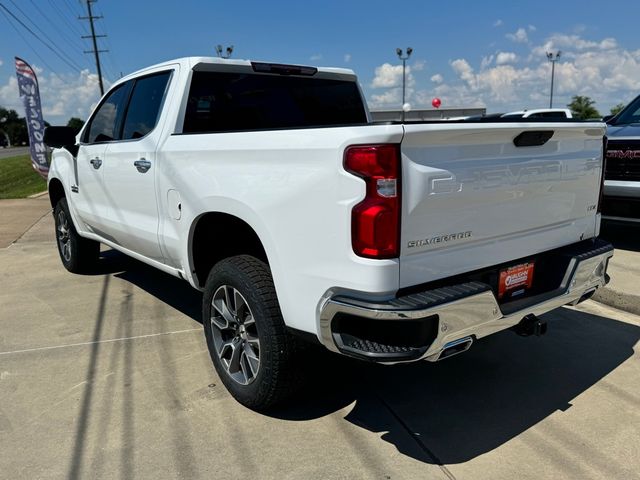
pixel 93 37
pixel 553 59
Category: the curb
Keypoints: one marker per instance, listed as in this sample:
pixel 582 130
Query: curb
pixel 627 302
pixel 38 195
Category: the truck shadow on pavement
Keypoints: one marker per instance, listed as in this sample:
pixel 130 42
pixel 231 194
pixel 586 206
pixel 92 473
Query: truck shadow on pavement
pixel 453 411
pixel 448 412
pixel 173 291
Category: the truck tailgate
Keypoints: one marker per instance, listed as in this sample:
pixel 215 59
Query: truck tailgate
pixel 472 198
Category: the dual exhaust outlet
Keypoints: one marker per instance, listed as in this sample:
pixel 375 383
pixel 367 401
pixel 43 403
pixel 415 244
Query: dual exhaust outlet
pixel 529 325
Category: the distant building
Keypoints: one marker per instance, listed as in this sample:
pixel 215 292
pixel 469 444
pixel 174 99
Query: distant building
pixel 428 114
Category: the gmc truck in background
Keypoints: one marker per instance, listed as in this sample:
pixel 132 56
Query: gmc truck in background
pixel 267 187
pixel 622 165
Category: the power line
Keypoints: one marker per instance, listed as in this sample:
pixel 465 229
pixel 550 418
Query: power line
pixel 27 41
pixel 75 44
pixel 69 24
pixel 93 37
pixel 30 19
pixel 26 27
pixel 113 64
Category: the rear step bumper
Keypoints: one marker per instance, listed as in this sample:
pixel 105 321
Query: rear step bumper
pixel 441 322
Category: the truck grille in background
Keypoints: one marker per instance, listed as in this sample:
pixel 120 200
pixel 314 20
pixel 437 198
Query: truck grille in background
pixel 623 207
pixel 623 160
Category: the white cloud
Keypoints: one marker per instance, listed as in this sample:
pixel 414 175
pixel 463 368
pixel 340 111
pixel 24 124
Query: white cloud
pixel 532 28
pixel 600 69
pixel 437 78
pixel 315 57
pixel 62 97
pixel 503 58
pixel 391 97
pixel 498 23
pixel 572 43
pixel 388 75
pixel 1 62
pixel 347 57
pixel 418 65
pixel 520 36
pixel 486 61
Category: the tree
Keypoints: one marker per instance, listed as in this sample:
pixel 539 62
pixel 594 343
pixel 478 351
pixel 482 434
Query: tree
pixel 14 126
pixel 615 110
pixel 75 123
pixel 582 107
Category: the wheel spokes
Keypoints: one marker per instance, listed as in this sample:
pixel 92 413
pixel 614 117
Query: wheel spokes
pixel 235 334
pixel 252 359
pixel 225 318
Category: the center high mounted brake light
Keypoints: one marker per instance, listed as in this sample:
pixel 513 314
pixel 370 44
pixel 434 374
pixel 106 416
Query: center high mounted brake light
pixel 375 221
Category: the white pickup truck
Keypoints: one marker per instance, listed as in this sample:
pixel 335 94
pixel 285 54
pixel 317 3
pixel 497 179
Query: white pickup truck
pixel 267 187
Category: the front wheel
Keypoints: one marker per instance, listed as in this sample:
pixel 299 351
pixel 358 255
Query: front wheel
pixel 78 254
pixel 251 349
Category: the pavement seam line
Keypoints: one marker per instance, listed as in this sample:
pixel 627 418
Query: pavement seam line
pixel 27 230
pixel 416 439
pixel 112 340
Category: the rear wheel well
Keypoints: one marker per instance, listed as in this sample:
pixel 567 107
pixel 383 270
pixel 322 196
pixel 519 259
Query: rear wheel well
pixel 217 236
pixel 56 192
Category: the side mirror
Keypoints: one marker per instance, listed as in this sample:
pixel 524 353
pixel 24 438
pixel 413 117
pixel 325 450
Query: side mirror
pixel 606 118
pixel 59 137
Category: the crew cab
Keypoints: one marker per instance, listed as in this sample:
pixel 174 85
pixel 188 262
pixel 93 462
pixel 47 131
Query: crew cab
pixel 622 166
pixel 268 188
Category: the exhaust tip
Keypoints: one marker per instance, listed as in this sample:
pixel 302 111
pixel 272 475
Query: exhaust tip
pixel 455 347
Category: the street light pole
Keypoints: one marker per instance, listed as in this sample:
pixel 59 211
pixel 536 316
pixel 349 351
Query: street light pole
pixel 553 59
pixel 404 59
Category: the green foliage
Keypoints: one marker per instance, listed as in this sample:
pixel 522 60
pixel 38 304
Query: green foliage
pixel 18 179
pixel 582 107
pixel 75 123
pixel 14 126
pixel 615 110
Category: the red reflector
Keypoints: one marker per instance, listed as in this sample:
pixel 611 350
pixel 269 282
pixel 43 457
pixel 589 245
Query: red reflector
pixel 375 222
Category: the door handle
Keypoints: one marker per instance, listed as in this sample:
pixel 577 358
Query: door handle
pixel 142 165
pixel 96 162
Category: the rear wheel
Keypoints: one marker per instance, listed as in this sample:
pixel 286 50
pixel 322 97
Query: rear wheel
pixel 78 254
pixel 249 345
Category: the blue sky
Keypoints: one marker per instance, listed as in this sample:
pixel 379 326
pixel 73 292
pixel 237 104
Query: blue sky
pixel 467 53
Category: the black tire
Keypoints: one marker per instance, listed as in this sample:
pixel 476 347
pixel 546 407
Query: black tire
pixel 78 254
pixel 277 373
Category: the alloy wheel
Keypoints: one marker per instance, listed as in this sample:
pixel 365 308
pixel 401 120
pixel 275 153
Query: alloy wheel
pixel 235 334
pixel 64 241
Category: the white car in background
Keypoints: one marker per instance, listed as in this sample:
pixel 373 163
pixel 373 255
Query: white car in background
pixel 540 113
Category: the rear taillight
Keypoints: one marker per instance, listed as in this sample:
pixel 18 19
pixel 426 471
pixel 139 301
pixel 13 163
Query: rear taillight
pixel 604 165
pixel 375 221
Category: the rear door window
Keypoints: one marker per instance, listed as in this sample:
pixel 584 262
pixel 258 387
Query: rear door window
pixel 144 107
pixel 222 102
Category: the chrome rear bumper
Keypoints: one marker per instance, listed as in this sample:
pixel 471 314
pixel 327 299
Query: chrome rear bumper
pixel 460 311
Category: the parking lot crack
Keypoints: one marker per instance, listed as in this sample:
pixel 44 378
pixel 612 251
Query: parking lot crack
pixel 416 438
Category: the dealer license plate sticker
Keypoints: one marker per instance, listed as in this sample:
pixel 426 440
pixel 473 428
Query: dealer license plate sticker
pixel 515 280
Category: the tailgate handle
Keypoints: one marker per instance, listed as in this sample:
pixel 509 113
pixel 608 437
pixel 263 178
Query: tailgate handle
pixel 533 138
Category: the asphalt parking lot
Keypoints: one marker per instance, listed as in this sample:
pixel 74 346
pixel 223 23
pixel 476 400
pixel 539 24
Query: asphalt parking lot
pixel 108 376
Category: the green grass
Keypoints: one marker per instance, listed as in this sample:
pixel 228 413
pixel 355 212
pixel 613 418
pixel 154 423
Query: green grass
pixel 18 179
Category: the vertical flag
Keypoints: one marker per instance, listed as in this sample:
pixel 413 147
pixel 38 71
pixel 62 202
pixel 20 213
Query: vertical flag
pixel 28 85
